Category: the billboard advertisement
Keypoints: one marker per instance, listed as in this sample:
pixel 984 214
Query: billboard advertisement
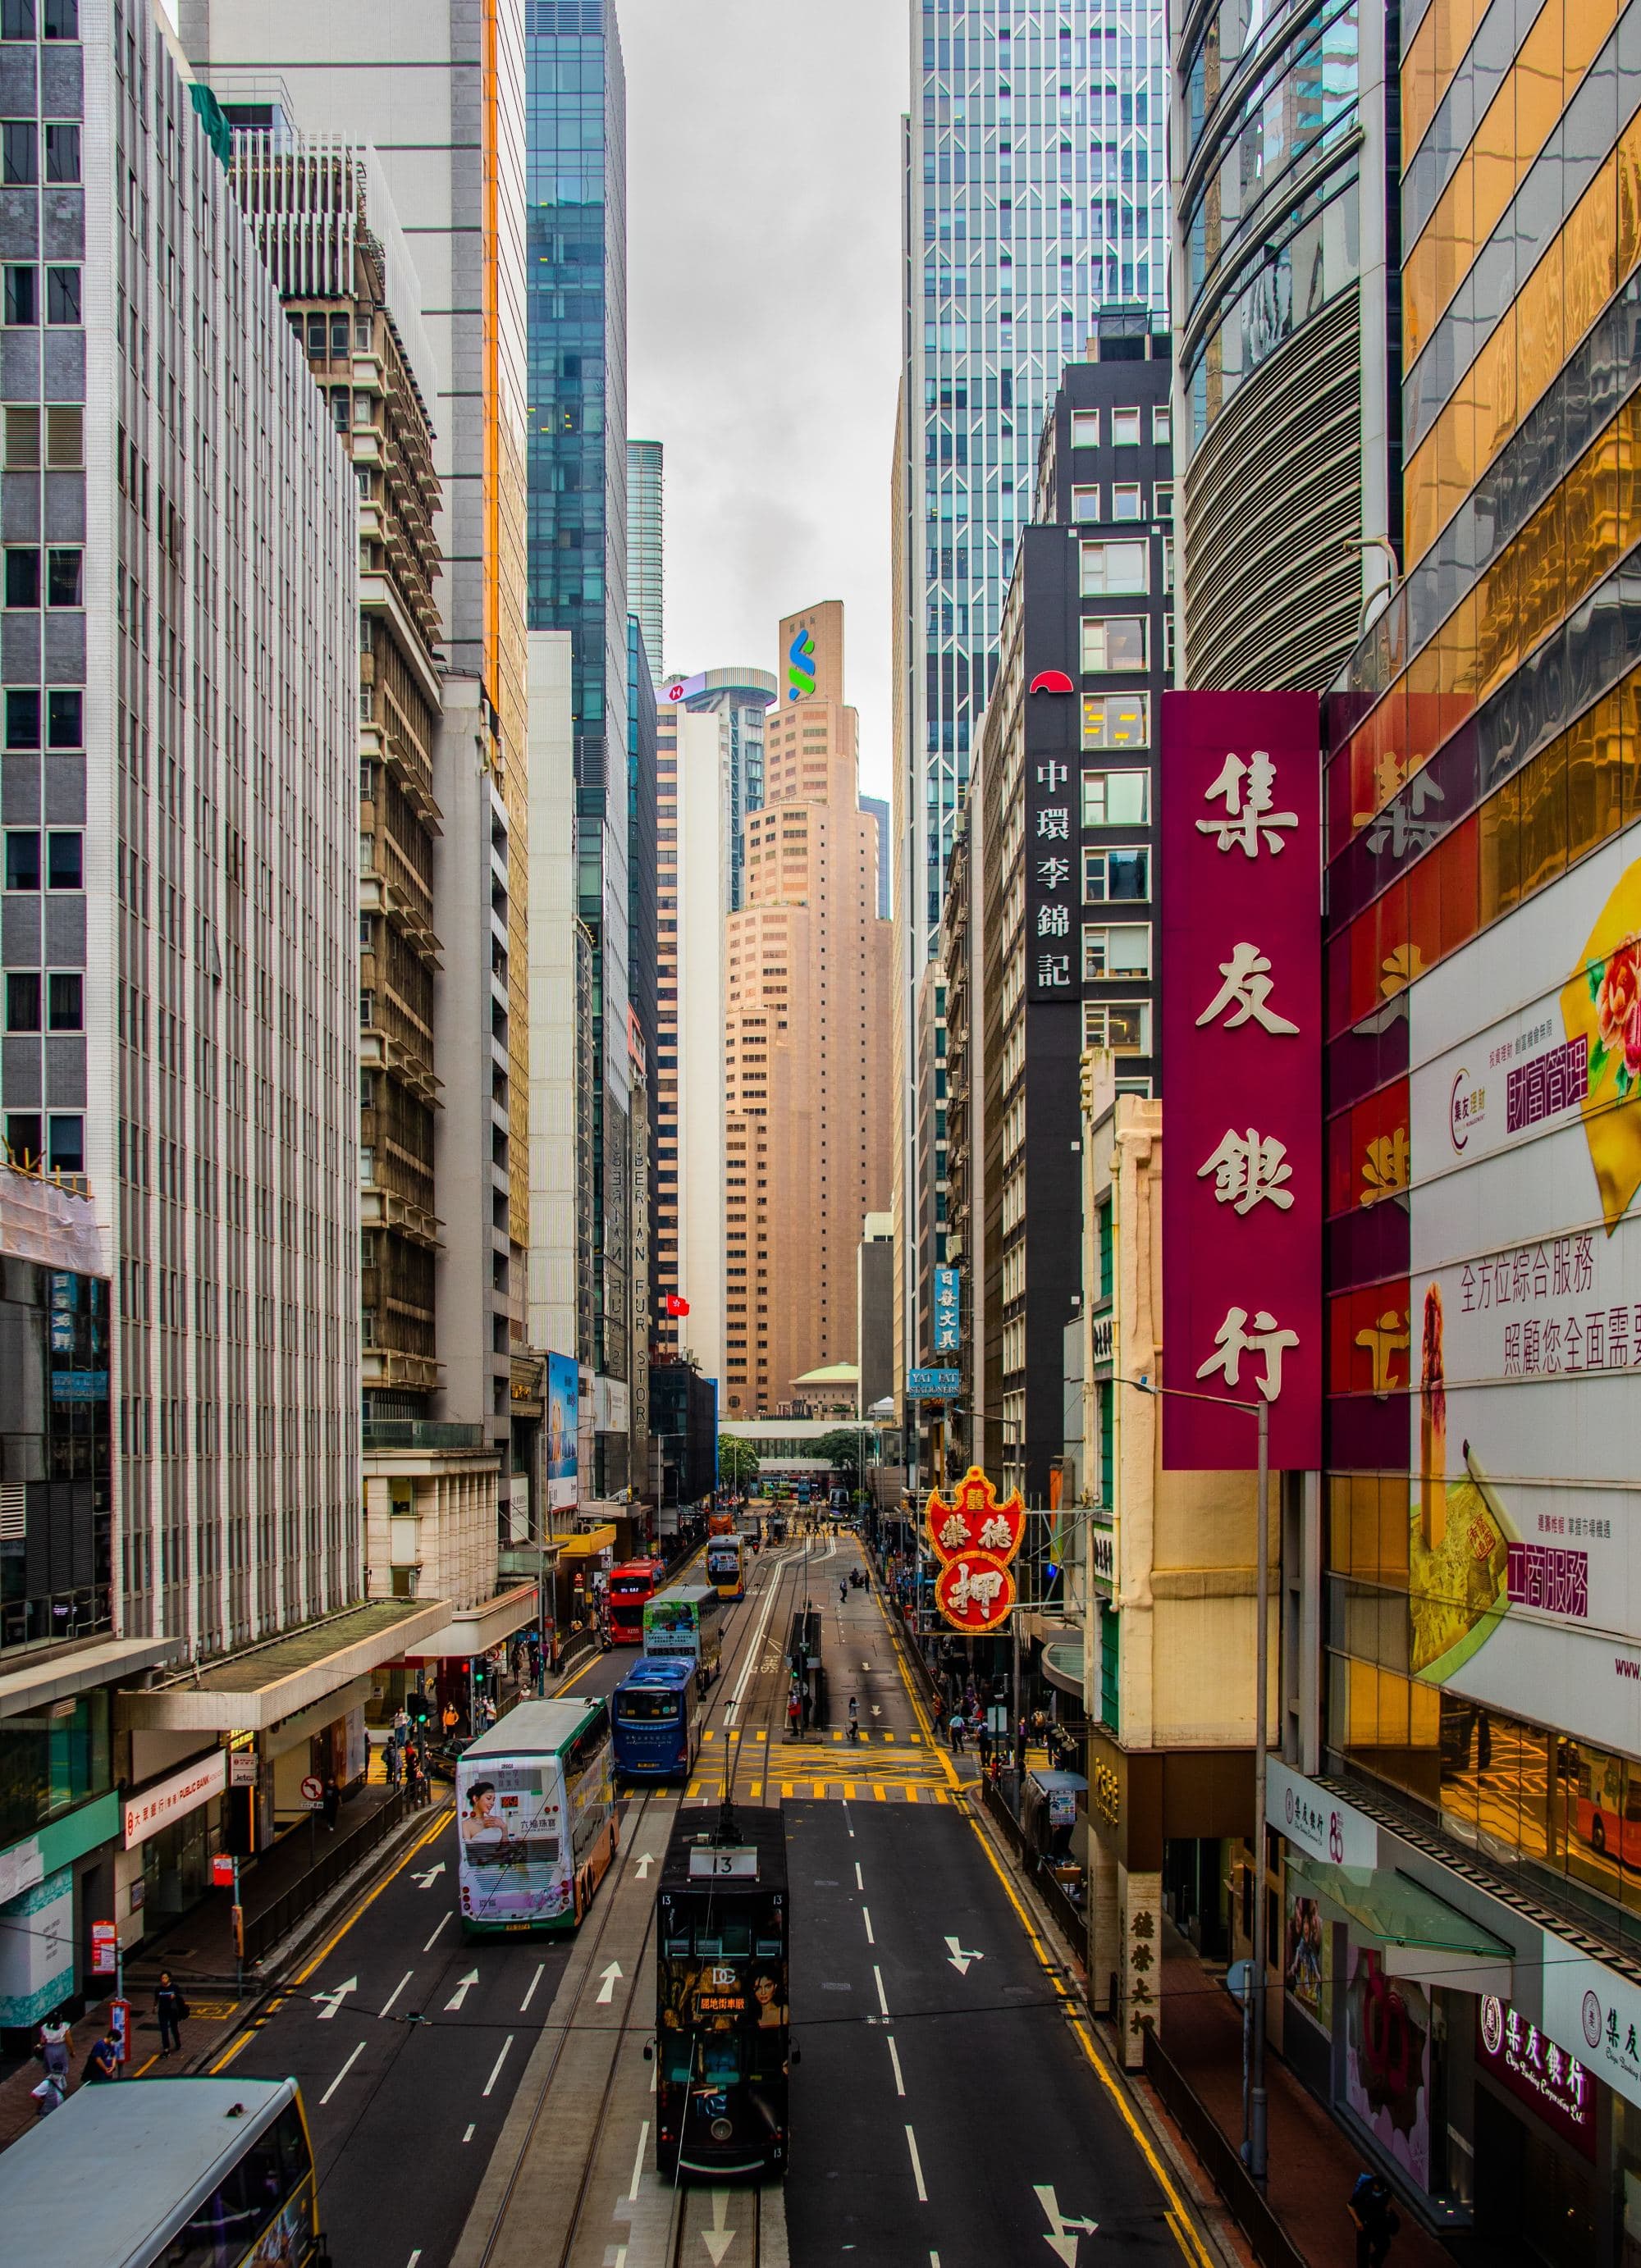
pixel 1524 1318
pixel 1242 1028
pixel 563 1380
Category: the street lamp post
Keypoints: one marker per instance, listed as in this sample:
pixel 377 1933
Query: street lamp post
pixel 1254 2098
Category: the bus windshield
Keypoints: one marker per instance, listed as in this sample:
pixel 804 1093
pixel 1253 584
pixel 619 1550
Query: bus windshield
pixel 646 1706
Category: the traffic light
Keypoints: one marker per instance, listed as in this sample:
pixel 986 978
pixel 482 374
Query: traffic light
pixel 421 1707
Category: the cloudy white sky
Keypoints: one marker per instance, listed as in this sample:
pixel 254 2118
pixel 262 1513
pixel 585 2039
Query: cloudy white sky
pixel 763 318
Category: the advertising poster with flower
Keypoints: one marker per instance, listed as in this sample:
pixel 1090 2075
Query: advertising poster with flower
pixel 1523 1328
pixel 1387 2062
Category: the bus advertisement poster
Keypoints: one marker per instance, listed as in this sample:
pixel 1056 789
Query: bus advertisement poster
pixel 510 1838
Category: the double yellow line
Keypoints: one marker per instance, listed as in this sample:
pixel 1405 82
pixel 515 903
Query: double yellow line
pixel 436 1826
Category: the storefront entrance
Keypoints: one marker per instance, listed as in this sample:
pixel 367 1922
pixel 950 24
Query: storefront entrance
pixel 1534 2198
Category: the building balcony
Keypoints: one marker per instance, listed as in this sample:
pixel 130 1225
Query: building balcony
pixel 379 1433
pixel 384 1208
pixel 393 1367
pixel 379 896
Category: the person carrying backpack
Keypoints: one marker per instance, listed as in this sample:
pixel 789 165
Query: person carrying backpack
pixel 1377 2221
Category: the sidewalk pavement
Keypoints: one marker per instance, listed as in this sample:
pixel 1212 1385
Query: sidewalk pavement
pixel 198 1950
pixel 1314 2163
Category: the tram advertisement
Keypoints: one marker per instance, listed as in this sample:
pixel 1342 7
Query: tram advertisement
pixel 719 1995
pixel 512 1837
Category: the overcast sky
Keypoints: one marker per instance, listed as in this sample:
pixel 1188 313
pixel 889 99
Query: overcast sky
pixel 763 318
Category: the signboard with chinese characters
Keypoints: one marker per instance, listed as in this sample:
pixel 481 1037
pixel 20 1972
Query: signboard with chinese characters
pixel 1053 886
pixel 948 1311
pixel 1242 1173
pixel 1316 1821
pixel 975 1534
pixel 1527 2064
pixel 1595 2014
pixel 151 1808
pixel 1522 1330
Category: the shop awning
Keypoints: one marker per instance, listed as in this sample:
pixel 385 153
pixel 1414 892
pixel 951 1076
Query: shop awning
pixel 62 1673
pixel 1062 1664
pixel 1419 1934
pixel 587 1543
pixel 476 1630
pixel 250 1691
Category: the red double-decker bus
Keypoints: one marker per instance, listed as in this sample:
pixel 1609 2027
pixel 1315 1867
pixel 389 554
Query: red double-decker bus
pixel 632 1585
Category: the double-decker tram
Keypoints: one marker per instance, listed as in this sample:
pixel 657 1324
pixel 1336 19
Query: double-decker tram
pixel 535 1817
pixel 721 1969
pixel 657 1712
pixel 726 1566
pixel 632 1587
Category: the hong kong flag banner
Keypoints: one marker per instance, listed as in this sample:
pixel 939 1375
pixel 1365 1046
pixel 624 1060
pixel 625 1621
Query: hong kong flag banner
pixel 1242 1055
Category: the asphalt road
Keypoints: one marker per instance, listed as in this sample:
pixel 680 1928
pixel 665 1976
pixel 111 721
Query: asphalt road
pixel 945 2110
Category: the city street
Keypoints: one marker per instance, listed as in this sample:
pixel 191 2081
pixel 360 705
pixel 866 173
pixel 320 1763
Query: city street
pixel 492 2104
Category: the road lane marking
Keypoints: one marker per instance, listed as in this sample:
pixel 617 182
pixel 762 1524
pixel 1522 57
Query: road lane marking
pixel 859 1884
pixel 611 1976
pixel 496 2068
pixel 433 1940
pixel 638 2163
pixel 866 1915
pixel 894 2057
pixel 754 1656
pixel 464 1985
pixel 397 1989
pixel 342 2075
pixel 1184 2229
pixel 469 2134
pixel 446 1812
pixel 917 2167
pixel 878 1978
pixel 540 1970
pixel 330 2001
pixel 414 2257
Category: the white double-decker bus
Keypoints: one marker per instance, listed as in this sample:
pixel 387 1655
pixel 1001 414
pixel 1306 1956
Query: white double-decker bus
pixel 535 1817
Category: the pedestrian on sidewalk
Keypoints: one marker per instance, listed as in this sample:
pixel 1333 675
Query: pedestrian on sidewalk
pixel 1019 1746
pixel 794 1714
pixel 56 2047
pixel 1376 2217
pixel 391 1763
pixel 400 1725
pixel 49 2095
pixel 172 2010
pixel 330 1803
pixel 103 2062
pixel 415 1779
pixel 955 1733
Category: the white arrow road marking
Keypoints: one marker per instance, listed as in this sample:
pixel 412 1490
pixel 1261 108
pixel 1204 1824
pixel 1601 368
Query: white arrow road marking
pixel 960 1956
pixel 500 2060
pixel 1061 2236
pixel 426 1881
pixel 641 1866
pixel 397 1989
pixel 342 2073
pixel 917 2167
pixel 607 1990
pixel 462 1990
pixel 718 2239
pixel 540 1970
pixel 877 1712
pixel 330 2001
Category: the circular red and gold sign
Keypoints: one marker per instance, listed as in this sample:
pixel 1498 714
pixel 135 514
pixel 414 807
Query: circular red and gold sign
pixel 975 1593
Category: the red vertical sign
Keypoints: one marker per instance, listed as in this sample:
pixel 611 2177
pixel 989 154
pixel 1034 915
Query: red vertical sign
pixel 1242 1057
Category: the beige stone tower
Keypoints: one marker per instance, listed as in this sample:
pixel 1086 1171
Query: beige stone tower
pixel 807 1057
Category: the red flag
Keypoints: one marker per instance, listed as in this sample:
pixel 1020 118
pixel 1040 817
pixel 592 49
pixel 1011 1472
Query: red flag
pixel 676 1305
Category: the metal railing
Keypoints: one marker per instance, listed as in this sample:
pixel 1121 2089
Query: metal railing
pixel 264 1930
pixel 419 1433
pixel 1270 2241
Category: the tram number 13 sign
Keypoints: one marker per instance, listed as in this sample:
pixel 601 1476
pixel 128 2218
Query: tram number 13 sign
pixel 974 1535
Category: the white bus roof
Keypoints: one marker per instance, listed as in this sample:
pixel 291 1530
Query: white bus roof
pixel 107 2180
pixel 535 1728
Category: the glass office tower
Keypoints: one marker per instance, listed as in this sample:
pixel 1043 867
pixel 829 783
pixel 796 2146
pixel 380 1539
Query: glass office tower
pixel 576 267
pixel 1035 195
pixel 644 486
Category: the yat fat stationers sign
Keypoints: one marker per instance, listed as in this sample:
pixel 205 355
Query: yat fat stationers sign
pixel 948 1311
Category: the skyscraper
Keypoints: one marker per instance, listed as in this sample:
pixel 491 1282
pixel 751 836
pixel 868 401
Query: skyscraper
pixel 576 266
pixel 440 97
pixel 806 1039
pixel 646 529
pixel 1035 189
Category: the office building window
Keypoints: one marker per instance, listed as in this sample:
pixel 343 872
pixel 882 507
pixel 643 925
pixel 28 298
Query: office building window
pixel 1121 568
pixel 66 863
pixel 1127 500
pixel 22 1000
pixel 64 579
pixel 1162 428
pixel 19 152
pixel 1162 500
pixel 65 715
pixel 1085 503
pixel 22 858
pixel 63 295
pixel 65 1144
pixel 65 1001
pixel 22 302
pixel 63 152
pixel 22 1137
pixel 1116 799
pixel 1116 720
pixel 1085 429
pixel 1116 949
pixel 1113 642
pixel 22 576
pixel 1116 877
pixel 1122 1025
pixel 1125 428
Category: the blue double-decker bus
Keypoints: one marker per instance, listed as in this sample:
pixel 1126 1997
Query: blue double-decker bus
pixel 657 1715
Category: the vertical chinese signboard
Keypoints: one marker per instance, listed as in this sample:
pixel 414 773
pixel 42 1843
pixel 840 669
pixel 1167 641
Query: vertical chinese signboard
pixel 947 1313
pixel 1242 1175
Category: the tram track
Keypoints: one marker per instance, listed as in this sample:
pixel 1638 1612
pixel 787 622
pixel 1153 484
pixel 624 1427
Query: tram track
pixel 690 2211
